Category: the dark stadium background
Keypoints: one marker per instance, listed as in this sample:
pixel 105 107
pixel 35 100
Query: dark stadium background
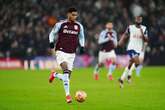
pixel 25 24
pixel 24 30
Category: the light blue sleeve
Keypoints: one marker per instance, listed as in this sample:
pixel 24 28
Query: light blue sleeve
pixel 103 38
pixel 81 36
pixel 54 32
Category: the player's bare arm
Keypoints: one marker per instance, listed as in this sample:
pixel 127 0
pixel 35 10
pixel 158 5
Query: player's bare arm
pixel 144 46
pixel 51 50
pixel 123 39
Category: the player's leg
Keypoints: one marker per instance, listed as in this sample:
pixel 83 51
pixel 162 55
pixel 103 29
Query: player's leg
pixel 140 66
pixel 55 75
pixel 127 69
pixel 125 73
pixel 138 69
pixel 67 67
pixel 136 63
pixel 65 60
pixel 67 70
pixel 97 70
pixel 98 65
pixel 112 66
pixel 66 80
pixel 131 69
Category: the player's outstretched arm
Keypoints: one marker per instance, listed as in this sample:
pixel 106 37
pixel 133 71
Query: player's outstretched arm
pixel 123 39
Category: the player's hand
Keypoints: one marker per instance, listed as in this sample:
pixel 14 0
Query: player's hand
pixel 110 36
pixel 118 45
pixel 51 52
pixel 82 50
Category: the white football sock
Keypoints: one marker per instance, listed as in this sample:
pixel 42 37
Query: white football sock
pixel 138 69
pixel 131 69
pixel 96 69
pixel 111 69
pixel 59 76
pixel 125 73
pixel 66 84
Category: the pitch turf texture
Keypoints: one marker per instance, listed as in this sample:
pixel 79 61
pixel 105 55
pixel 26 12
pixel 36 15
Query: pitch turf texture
pixel 30 90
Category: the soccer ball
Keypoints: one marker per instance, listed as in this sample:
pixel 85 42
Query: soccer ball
pixel 80 96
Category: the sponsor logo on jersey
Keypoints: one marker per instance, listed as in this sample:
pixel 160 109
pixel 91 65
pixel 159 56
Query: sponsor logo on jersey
pixel 66 31
pixel 65 26
pixel 137 36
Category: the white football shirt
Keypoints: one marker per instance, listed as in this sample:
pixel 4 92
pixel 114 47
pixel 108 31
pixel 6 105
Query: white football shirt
pixel 135 38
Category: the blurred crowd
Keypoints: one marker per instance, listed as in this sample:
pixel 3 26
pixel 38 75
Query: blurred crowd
pixel 25 24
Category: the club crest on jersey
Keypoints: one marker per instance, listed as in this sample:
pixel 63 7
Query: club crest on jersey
pixel 75 27
pixel 65 26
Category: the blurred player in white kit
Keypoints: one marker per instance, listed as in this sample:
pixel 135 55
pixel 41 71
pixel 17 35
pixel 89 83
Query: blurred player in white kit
pixel 137 34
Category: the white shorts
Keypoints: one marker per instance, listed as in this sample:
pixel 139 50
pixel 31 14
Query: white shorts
pixel 103 56
pixel 65 57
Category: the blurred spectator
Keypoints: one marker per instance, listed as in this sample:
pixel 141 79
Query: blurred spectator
pixel 25 24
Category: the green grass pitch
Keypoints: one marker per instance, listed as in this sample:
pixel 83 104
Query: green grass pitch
pixel 30 90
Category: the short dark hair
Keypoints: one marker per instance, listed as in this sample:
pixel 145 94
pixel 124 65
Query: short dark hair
pixel 72 9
